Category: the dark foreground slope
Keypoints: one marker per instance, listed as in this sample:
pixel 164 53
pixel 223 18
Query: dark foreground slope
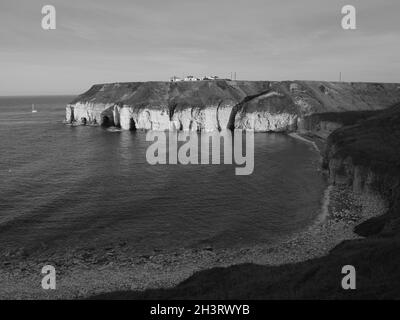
pixel 365 155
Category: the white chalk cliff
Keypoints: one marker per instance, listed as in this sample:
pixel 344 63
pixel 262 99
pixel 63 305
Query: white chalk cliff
pixel 223 104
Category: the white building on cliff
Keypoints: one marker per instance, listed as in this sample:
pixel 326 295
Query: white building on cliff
pixel 192 78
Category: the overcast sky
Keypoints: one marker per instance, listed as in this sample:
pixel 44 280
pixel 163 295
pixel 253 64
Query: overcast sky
pixel 100 41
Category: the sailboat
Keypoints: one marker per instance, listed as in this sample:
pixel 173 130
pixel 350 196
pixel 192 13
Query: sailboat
pixel 33 108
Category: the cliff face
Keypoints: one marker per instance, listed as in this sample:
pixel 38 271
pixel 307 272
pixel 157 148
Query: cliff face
pixel 222 104
pixel 366 156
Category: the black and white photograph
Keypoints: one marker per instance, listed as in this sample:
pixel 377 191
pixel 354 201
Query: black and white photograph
pixel 181 150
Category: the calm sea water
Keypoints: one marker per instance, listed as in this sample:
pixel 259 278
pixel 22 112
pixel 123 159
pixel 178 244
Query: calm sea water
pixel 63 186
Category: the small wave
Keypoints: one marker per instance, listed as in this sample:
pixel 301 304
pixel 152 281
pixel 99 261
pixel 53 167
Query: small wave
pixel 325 205
pixel 113 129
pixel 296 136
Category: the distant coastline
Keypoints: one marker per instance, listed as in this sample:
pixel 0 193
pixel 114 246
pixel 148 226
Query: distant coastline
pixel 262 106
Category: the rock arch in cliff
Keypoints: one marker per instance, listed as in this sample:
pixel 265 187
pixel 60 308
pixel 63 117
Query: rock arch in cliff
pixel 71 115
pixel 107 117
pixel 106 121
pixel 132 125
pixel 117 115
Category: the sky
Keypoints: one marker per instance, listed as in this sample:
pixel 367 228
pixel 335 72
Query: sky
pixel 100 41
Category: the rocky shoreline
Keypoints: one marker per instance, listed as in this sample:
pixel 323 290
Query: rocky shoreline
pixel 85 273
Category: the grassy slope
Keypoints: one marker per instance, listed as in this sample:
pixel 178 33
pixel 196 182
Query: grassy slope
pixel 374 142
pixel 344 118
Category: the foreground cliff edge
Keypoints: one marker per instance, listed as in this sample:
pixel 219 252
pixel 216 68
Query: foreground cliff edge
pixel 223 104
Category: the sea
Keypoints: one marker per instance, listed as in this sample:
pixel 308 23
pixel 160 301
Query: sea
pixel 72 187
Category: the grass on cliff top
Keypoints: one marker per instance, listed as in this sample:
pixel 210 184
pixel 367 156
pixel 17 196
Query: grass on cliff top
pixel 373 143
pixel 347 118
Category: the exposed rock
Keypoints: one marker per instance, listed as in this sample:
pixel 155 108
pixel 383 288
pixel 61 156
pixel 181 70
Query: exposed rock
pixel 365 155
pixel 222 104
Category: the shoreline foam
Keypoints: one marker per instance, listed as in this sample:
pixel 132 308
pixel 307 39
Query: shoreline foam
pixel 298 137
